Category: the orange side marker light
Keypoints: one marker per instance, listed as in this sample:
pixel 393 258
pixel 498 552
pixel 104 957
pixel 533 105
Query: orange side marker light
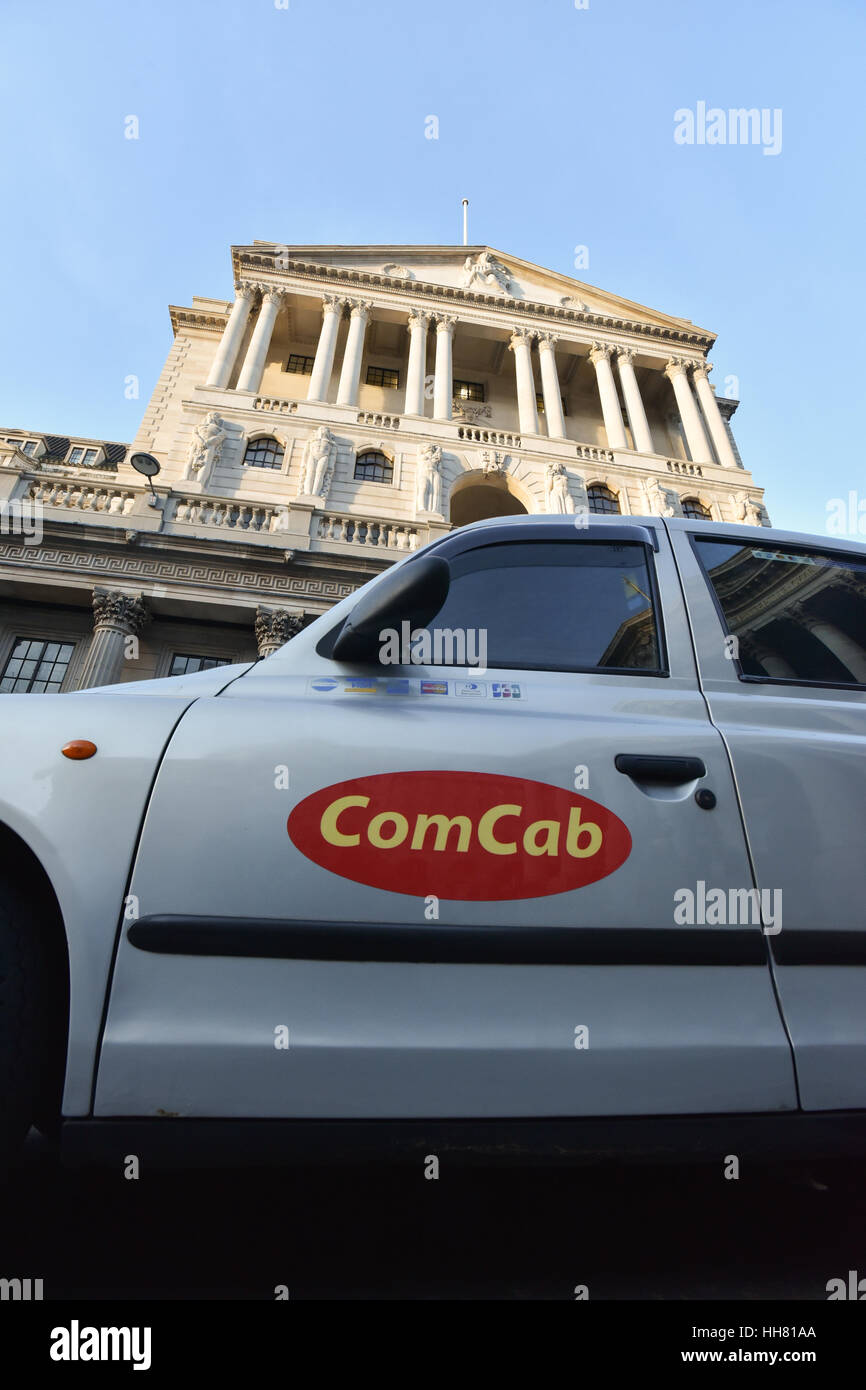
pixel 78 748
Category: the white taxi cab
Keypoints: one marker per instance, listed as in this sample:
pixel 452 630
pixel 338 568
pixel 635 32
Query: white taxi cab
pixel 551 830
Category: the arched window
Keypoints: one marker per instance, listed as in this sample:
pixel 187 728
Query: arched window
pixel 373 467
pixel 695 509
pixel 602 500
pixel 264 453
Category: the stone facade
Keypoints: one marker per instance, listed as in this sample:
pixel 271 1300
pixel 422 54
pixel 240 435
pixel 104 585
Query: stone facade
pixel 350 404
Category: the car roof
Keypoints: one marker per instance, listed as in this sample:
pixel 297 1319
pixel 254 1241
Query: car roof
pixel 734 529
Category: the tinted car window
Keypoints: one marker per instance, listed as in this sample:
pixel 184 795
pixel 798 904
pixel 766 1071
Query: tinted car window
pixel 554 606
pixel 796 614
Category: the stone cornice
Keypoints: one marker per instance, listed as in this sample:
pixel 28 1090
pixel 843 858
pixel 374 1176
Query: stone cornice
pixel 196 318
pixel 233 574
pixel 248 265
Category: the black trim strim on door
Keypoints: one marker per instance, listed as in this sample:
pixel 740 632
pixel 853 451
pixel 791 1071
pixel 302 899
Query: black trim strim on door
pixel 275 939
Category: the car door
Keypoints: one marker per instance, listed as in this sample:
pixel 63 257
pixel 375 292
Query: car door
pixel 780 628
pixel 441 887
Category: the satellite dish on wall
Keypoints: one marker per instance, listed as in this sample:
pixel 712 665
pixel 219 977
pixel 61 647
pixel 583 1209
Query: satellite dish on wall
pixel 149 467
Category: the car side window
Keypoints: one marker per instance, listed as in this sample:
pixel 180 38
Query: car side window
pixel 794 614
pixel 552 606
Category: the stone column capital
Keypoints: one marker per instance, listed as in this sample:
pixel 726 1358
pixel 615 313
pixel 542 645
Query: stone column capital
pixel 360 308
pixel 246 290
pixel 676 366
pixel 626 355
pixel 333 304
pixel 272 295
pixel 113 608
pixel 521 337
pixel 274 627
pixel 701 369
pixel 546 339
pixel 445 322
pixel 600 352
pixel 798 610
pixel 419 318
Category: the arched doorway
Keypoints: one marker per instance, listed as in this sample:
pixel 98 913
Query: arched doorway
pixel 477 496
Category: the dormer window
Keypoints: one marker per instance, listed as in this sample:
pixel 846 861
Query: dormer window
pixel 27 446
pixel 80 454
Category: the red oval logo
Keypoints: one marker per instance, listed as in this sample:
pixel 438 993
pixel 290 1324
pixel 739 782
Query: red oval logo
pixel 465 836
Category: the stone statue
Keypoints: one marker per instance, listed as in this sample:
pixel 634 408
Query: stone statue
pixel 428 485
pixel 204 451
pixel 487 272
pixel 663 501
pixel 751 511
pixel 556 490
pixel 317 464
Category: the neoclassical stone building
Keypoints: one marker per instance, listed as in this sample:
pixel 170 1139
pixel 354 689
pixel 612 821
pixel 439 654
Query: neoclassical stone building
pixel 350 404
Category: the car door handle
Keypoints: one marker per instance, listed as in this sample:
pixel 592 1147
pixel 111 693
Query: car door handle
pixel 648 767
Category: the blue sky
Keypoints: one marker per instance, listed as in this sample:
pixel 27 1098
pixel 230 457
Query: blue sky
pixel 306 124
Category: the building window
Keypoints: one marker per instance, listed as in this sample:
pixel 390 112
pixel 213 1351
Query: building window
pixel 695 510
pixel 264 453
pixel 383 376
pixel 300 364
pixel 27 446
pixel 469 391
pixel 373 467
pixel 36 668
pixel 81 455
pixel 539 402
pixel 182 665
pixel 602 500
pixel 797 614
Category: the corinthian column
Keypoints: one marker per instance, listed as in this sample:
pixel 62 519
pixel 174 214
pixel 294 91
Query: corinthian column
pixel 274 627
pixel 634 405
pixel 610 408
pixel 320 377
pixel 229 344
pixel 418 321
pixel 550 386
pixel 443 386
pixel 350 376
pixel 252 371
pixel 712 414
pixel 521 346
pixel 116 617
pixel 696 439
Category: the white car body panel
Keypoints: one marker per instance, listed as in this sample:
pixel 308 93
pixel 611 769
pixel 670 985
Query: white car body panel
pixel 196 1036
pixel 799 756
pixel 82 819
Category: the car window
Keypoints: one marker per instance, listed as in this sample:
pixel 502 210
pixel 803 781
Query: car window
pixel 554 606
pixel 796 614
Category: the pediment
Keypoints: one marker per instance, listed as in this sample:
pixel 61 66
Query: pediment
pixel 478 270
